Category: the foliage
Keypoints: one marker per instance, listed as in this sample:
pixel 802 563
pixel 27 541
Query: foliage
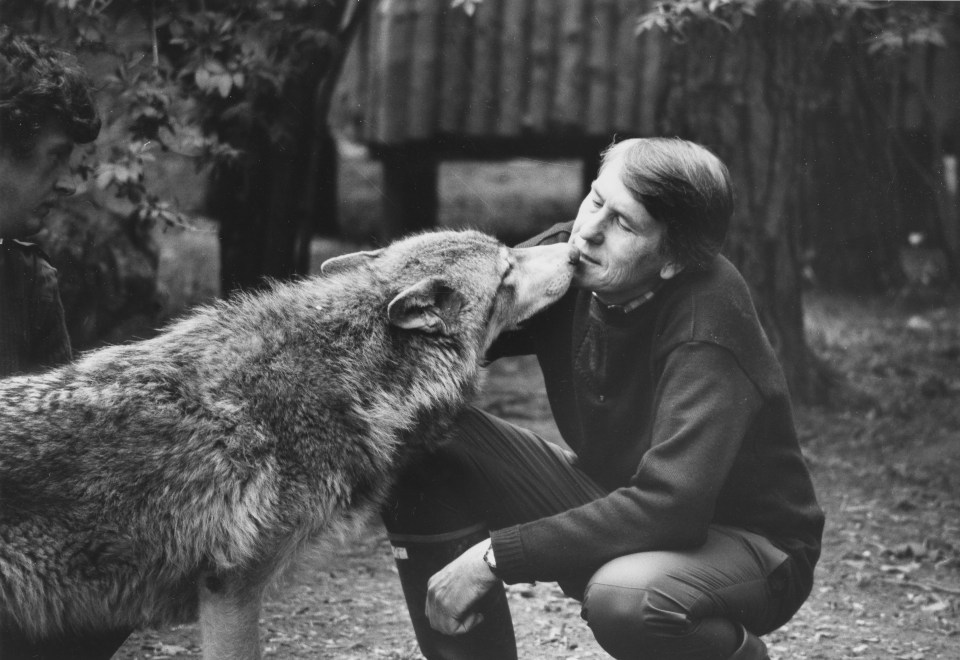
pixel 888 32
pixel 469 6
pixel 108 274
pixel 891 27
pixel 676 17
pixel 179 70
pixel 192 76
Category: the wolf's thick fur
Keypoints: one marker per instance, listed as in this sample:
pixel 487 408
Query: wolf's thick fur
pixel 148 483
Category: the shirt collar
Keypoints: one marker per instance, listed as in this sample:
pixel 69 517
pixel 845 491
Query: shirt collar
pixel 630 305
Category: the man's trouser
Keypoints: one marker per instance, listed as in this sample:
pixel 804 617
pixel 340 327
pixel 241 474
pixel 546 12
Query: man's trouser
pixel 704 604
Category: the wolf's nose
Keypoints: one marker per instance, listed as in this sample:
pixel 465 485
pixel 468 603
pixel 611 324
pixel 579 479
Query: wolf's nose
pixel 574 255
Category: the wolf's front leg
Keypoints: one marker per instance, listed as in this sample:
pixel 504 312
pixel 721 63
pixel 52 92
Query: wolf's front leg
pixel 230 618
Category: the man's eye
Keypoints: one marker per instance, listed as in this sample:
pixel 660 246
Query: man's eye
pixel 624 224
pixel 596 202
pixel 61 155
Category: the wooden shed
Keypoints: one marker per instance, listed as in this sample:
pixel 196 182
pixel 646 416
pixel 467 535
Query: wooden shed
pixel 537 78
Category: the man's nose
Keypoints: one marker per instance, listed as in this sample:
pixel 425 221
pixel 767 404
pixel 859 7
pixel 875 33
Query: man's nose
pixel 592 229
pixel 65 185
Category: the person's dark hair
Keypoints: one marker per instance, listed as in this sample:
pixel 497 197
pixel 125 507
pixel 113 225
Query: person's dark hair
pixel 39 86
pixel 684 186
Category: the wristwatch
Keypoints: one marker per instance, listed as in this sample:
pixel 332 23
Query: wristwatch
pixel 490 560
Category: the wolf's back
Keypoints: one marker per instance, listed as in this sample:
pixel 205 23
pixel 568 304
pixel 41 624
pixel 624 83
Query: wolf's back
pixel 238 435
pixel 148 462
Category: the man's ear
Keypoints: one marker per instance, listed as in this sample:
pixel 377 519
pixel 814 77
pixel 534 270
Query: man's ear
pixel 346 262
pixel 429 305
pixel 670 269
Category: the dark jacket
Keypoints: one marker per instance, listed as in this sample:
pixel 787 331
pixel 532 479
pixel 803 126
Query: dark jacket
pixel 681 410
pixel 33 334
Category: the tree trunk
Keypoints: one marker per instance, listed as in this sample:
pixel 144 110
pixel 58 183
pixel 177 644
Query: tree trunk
pixel 283 190
pixel 733 103
pixel 854 219
pixel 835 155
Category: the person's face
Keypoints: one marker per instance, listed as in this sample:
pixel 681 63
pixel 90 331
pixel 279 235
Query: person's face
pixel 619 242
pixel 29 185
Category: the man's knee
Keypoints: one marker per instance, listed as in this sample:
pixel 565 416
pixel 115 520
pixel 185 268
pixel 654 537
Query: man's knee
pixel 637 610
pixel 627 606
pixel 627 621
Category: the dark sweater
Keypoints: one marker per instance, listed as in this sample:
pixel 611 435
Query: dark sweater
pixel 681 411
pixel 33 335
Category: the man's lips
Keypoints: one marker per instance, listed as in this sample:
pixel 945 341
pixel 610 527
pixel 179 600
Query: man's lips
pixel 584 257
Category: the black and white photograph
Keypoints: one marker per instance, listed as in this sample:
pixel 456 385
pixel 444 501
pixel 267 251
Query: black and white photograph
pixel 480 329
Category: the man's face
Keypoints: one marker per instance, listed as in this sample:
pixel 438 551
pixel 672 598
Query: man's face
pixel 29 185
pixel 619 242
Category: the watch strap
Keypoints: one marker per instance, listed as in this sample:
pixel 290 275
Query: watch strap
pixel 490 560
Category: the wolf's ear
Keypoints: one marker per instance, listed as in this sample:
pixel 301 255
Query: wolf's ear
pixel 346 262
pixel 429 305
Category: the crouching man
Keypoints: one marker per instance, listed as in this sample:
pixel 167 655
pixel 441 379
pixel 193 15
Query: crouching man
pixel 684 519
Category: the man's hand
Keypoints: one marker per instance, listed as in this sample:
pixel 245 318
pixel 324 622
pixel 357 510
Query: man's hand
pixel 455 589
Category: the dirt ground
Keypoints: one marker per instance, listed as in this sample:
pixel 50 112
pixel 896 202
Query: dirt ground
pixel 886 459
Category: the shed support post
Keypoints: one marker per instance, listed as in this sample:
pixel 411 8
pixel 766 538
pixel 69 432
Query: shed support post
pixel 410 197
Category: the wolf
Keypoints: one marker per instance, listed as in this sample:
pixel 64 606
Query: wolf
pixel 175 478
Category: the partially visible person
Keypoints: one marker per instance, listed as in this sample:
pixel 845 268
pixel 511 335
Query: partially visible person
pixel 46 107
pixel 684 519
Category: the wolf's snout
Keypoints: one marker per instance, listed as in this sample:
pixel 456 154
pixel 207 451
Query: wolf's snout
pixel 573 255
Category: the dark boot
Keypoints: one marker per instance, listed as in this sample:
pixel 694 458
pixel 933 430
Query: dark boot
pixel 418 557
pixel 14 645
pixel 752 647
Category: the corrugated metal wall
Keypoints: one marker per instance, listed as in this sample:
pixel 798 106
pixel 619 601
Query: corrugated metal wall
pixel 515 68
